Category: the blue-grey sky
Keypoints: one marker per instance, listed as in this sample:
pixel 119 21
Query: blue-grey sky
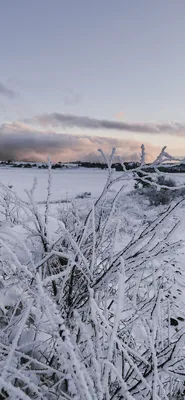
pixel 117 60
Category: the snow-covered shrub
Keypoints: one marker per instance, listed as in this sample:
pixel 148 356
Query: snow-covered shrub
pixel 163 180
pixel 81 319
pixel 83 195
pixel 158 197
pixel 159 194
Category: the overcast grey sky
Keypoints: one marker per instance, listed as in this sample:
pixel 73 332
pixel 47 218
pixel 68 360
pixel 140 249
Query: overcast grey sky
pixel 119 61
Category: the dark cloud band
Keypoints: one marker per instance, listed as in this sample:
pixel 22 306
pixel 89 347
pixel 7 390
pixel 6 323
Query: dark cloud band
pixel 74 121
pixel 20 142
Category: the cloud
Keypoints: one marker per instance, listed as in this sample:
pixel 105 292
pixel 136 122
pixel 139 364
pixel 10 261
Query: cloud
pixel 19 141
pixel 5 91
pixel 74 121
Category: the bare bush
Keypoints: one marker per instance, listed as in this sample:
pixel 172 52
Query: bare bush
pixel 80 319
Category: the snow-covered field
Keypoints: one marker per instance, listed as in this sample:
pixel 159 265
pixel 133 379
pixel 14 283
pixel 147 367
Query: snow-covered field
pixel 65 183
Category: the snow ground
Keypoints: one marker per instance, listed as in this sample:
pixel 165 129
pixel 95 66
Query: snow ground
pixel 68 183
pixel 65 183
pixel 134 211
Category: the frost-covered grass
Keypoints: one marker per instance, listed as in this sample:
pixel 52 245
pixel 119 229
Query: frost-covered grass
pixel 92 303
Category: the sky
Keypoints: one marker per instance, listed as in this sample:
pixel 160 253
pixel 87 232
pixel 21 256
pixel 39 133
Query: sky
pixel 79 75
